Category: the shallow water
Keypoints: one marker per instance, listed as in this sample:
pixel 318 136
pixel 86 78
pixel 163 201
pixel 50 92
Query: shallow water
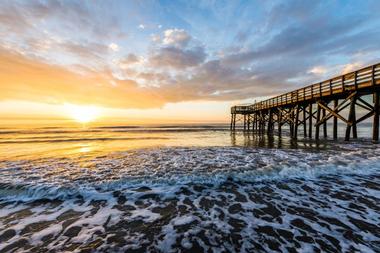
pixel 185 188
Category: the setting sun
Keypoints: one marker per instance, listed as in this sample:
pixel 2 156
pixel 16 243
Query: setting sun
pixel 82 114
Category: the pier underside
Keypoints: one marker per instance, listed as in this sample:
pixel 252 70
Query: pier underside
pixel 311 109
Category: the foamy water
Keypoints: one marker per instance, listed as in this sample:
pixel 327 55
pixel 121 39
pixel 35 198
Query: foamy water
pixel 186 189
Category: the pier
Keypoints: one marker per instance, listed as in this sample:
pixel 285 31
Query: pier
pixel 311 108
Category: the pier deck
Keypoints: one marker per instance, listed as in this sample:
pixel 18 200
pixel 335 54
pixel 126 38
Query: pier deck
pixel 313 106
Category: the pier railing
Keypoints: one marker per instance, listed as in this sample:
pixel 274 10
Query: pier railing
pixel 356 80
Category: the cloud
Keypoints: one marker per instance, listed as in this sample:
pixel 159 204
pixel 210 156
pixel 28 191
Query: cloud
pixel 318 70
pixel 53 84
pixel 130 59
pixel 114 47
pixel 352 67
pixel 176 38
pixel 177 58
pixel 176 50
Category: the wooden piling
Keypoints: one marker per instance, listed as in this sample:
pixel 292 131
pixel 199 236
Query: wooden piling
pixel 335 122
pixel 270 122
pixel 304 121
pixel 291 124
pixel 279 119
pixel 324 123
pixel 310 120
pixel 318 125
pixel 295 119
pixel 354 128
pixel 351 115
pixel 375 124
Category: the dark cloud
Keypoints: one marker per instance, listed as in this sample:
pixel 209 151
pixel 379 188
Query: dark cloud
pixel 177 58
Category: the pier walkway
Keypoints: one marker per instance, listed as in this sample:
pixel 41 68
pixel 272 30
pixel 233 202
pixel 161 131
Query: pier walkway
pixel 311 107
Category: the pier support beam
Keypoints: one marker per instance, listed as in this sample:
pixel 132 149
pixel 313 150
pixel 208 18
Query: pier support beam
pixel 304 121
pixel 354 129
pixel 233 121
pixel 351 118
pixel 295 120
pixel 279 120
pixel 335 122
pixel 310 120
pixel 375 125
pixel 291 122
pixel 318 119
pixel 324 123
pixel 270 122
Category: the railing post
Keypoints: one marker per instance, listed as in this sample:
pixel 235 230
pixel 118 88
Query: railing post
pixel 373 76
pixel 355 80
pixel 330 84
pixel 343 87
pixel 304 94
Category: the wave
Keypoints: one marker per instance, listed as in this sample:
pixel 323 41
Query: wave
pixel 175 167
pixel 105 129
pixel 54 140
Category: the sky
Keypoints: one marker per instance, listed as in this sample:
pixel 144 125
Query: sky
pixel 172 61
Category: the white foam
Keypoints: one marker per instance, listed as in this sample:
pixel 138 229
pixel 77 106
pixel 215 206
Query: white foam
pixel 147 215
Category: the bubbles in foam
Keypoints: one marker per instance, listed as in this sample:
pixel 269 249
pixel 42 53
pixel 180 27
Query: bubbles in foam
pixel 220 198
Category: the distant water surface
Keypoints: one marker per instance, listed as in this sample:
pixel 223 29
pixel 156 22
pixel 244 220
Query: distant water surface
pixel 186 187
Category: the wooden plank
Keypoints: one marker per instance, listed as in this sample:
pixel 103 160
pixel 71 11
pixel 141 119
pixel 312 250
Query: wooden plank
pixel 331 112
pixel 370 107
pixel 369 114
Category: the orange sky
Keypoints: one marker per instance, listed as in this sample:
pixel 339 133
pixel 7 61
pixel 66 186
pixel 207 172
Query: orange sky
pixel 35 90
pixel 136 62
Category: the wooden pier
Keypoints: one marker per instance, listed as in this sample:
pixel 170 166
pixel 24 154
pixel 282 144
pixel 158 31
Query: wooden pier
pixel 313 106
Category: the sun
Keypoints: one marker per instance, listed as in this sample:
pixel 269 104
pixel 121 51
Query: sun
pixel 82 114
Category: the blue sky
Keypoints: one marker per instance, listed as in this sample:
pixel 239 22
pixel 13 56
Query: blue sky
pixel 148 54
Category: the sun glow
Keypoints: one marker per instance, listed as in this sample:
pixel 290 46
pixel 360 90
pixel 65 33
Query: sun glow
pixel 82 114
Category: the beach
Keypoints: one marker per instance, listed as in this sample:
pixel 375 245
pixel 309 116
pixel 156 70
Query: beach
pixel 185 188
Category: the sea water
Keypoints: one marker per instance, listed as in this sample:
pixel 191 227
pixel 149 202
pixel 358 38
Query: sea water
pixel 186 188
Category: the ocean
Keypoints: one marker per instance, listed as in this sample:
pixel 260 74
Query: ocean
pixel 186 188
